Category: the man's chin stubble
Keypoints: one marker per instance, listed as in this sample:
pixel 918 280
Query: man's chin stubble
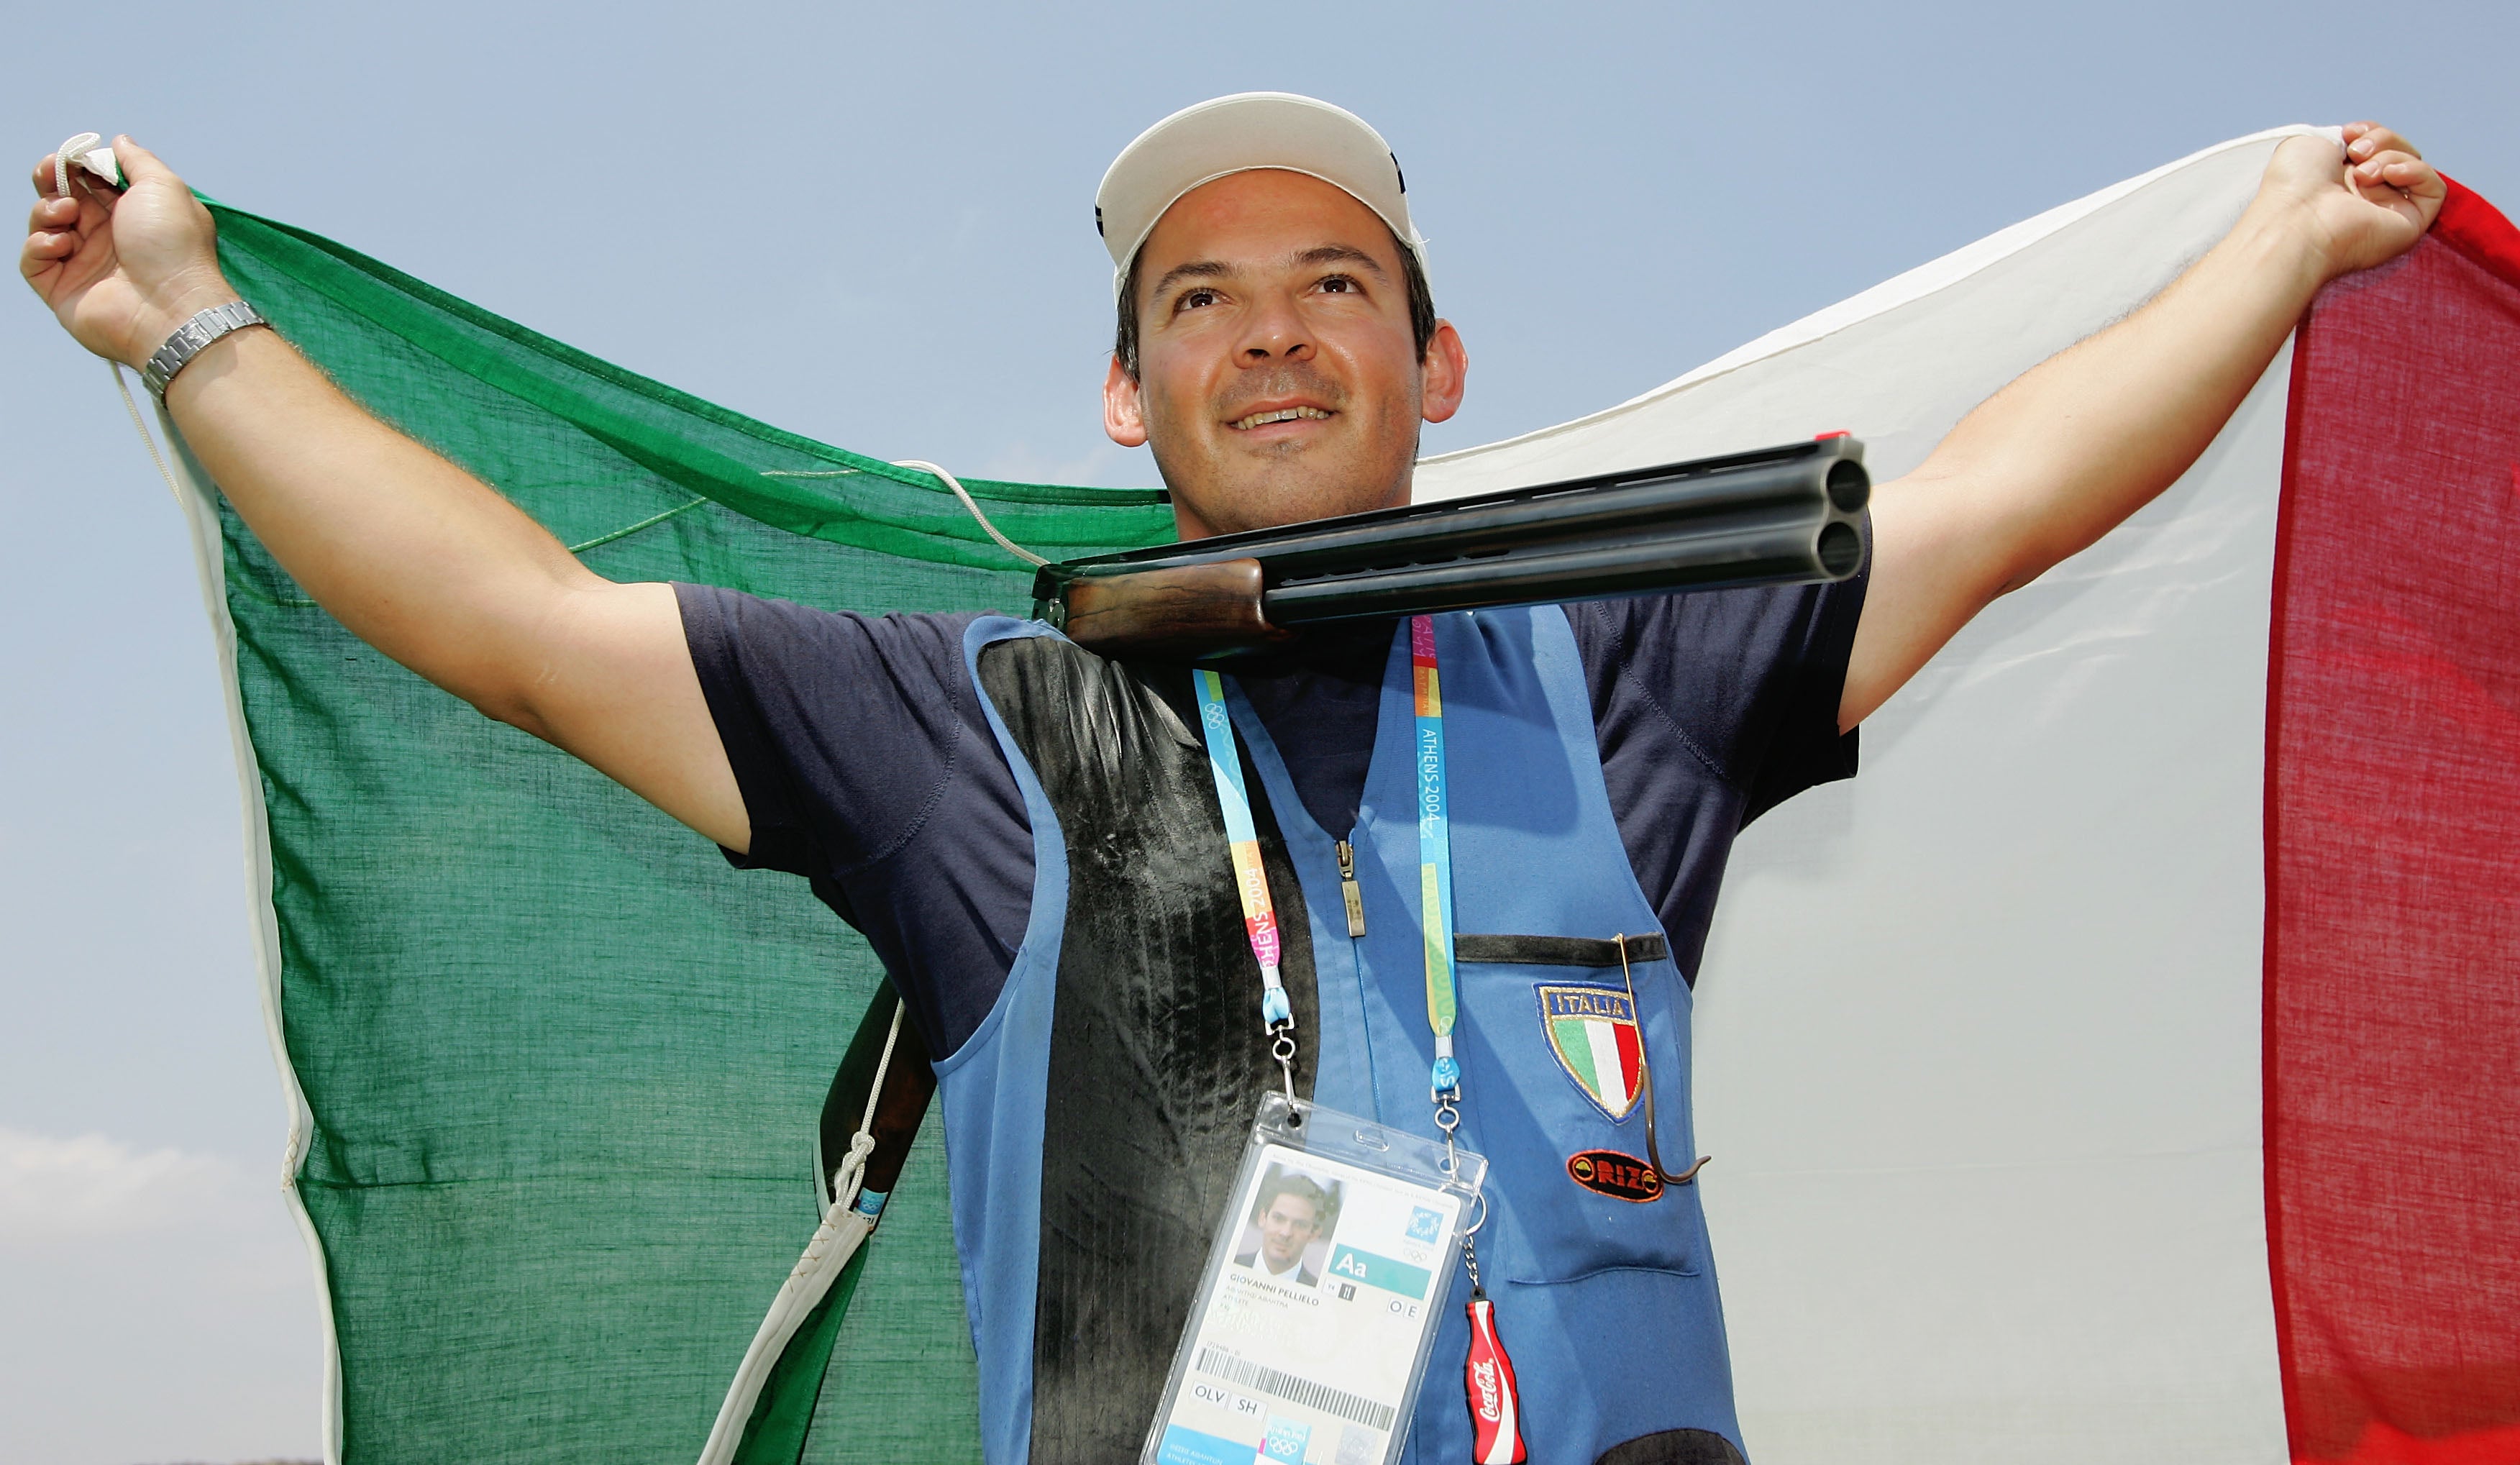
pixel 1266 485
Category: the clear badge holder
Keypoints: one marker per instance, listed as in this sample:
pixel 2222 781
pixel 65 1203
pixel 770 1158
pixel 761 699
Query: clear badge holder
pixel 1308 1337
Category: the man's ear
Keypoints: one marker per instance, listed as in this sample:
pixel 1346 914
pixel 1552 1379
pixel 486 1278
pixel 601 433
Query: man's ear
pixel 1447 374
pixel 1124 410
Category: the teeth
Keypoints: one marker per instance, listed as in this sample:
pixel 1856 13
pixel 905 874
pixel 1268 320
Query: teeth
pixel 1284 415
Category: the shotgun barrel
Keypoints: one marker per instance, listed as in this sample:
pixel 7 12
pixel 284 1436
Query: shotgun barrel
pixel 1778 516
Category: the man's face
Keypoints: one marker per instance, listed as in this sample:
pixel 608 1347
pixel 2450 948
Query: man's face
pixel 1278 376
pixel 1287 1228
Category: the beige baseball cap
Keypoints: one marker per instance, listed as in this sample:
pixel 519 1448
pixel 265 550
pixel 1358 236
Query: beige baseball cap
pixel 1234 135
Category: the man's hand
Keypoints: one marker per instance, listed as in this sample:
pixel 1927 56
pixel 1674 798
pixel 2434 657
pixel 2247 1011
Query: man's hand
pixel 2364 209
pixel 2045 468
pixel 122 271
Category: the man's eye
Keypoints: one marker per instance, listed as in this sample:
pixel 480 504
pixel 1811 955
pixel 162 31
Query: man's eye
pixel 1197 299
pixel 1340 285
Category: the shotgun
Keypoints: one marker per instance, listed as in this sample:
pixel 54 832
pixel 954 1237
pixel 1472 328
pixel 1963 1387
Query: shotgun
pixel 1776 517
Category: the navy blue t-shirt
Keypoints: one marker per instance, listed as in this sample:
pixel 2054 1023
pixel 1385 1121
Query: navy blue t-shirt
pixel 867 766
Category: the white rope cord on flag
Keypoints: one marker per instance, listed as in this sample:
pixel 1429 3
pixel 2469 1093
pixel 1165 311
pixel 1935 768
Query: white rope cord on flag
pixel 844 1181
pixel 77 147
pixel 148 439
pixel 956 484
pixel 843 1231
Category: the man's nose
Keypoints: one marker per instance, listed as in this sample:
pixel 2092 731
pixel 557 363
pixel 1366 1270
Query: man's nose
pixel 1275 332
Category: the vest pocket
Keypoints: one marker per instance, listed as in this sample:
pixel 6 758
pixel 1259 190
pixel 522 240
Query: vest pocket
pixel 1554 1058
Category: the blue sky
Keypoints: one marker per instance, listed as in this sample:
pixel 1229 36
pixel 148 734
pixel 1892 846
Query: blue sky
pixel 874 226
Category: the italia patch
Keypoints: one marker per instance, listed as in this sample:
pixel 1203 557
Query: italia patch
pixel 1619 1176
pixel 1593 1031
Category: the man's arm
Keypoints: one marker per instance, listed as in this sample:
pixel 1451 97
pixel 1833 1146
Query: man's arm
pixel 415 557
pixel 2045 468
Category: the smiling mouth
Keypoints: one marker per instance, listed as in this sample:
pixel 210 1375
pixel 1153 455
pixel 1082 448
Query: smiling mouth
pixel 1281 415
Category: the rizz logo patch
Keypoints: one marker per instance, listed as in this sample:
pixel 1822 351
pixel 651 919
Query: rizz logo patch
pixel 1593 1031
pixel 1619 1176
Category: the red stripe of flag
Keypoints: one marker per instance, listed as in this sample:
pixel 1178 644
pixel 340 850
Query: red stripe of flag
pixel 2393 862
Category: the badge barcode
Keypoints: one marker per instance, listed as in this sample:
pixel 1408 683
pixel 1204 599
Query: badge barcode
pixel 1217 1362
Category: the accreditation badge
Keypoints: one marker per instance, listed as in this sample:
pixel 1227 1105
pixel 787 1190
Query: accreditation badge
pixel 1308 1339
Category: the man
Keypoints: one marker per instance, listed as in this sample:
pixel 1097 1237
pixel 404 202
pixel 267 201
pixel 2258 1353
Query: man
pixel 1288 1216
pixel 1011 819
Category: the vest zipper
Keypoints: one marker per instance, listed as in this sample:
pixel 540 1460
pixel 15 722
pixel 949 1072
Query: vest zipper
pixel 1348 890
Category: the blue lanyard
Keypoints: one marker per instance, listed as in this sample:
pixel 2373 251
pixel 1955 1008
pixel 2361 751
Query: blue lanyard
pixel 1434 855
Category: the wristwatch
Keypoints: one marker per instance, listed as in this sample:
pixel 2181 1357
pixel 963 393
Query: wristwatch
pixel 189 340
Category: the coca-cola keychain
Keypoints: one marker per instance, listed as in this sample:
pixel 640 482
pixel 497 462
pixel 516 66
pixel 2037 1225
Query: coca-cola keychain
pixel 1487 1377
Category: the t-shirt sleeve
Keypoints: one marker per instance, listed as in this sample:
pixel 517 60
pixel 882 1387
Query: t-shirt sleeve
pixel 1750 679
pixel 843 729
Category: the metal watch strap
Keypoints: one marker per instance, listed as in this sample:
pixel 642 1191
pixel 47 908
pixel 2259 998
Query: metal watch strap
pixel 189 340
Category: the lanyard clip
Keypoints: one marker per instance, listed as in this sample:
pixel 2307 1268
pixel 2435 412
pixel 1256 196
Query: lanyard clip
pixel 1284 1050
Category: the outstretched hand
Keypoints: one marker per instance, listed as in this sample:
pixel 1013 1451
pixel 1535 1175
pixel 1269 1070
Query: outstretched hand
pixel 2365 205
pixel 122 271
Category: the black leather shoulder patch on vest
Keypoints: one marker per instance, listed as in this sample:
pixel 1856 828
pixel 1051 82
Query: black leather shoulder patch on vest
pixel 1157 1055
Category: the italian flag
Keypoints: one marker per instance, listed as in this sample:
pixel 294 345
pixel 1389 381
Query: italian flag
pixel 2125 1067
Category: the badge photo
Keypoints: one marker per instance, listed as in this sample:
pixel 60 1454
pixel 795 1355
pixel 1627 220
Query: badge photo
pixel 1593 1031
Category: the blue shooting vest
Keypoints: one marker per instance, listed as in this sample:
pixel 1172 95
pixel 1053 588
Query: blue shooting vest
pixel 1608 1305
